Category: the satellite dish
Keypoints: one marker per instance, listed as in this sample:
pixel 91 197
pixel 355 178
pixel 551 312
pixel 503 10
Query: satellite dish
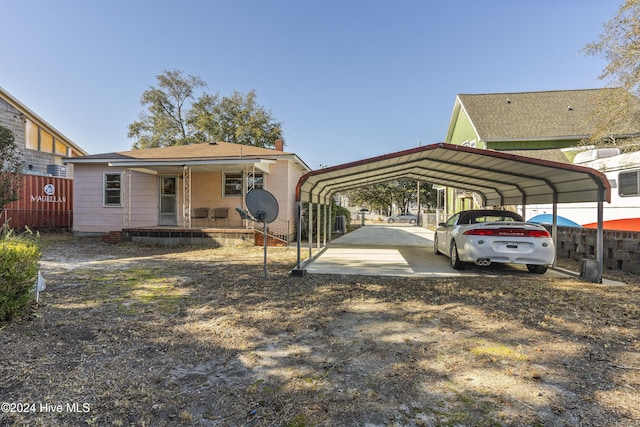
pixel 262 205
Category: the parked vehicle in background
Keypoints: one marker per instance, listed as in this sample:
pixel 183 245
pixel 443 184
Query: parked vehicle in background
pixel 410 218
pixel 487 236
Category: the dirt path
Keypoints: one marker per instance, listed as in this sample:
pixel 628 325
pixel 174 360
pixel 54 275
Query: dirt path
pixel 142 335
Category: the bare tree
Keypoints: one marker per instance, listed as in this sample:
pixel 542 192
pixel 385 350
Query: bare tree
pixel 617 112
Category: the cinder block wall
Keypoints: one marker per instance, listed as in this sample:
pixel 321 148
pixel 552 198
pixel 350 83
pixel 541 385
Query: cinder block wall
pixel 621 248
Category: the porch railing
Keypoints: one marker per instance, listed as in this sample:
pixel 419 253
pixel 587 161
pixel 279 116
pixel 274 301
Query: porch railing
pixel 278 228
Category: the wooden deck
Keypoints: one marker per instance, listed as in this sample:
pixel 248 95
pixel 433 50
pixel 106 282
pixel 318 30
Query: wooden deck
pixel 195 236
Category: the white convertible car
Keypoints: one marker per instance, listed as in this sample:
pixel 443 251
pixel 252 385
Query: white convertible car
pixel 487 236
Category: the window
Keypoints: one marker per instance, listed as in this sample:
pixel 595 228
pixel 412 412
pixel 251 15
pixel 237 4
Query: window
pixel 452 221
pixel 32 138
pixel 60 148
pixel 255 181
pixel 234 182
pixel 628 183
pixel 112 189
pixel 46 141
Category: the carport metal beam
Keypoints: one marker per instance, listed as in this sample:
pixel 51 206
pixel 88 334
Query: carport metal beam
pixel 500 178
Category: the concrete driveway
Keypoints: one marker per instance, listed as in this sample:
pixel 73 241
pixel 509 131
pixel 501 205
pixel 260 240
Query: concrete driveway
pixel 397 250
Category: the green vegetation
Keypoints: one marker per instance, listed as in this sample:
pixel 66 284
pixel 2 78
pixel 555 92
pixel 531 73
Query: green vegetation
pixel 11 164
pixel 179 114
pixel 19 257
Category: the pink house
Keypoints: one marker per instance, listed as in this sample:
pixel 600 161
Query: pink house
pixel 182 188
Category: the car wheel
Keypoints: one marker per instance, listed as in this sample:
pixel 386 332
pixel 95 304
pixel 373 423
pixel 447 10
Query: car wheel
pixel 455 261
pixel 413 221
pixel 435 245
pixel 390 220
pixel 537 269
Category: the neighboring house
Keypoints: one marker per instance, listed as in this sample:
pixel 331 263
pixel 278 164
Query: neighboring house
pixel 43 147
pixel 46 196
pixel 164 186
pixel 535 124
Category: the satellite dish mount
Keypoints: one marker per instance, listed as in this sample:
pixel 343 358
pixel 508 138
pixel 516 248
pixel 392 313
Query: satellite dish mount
pixel 263 208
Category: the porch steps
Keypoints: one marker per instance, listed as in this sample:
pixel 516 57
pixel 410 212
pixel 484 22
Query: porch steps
pixel 112 237
pixel 272 240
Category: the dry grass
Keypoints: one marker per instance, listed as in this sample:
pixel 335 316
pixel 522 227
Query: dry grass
pixel 147 336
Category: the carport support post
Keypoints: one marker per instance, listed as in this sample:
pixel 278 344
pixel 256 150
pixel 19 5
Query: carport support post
pixel 554 227
pixel 329 225
pixel 318 222
pixel 600 237
pixel 310 237
pixel 298 232
pixel 324 225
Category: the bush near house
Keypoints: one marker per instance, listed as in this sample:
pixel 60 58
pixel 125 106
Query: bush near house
pixel 18 273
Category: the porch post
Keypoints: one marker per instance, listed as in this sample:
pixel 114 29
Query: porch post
pixel 126 185
pixel 186 194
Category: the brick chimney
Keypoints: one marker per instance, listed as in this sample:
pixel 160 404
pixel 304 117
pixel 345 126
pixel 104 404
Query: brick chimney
pixel 279 145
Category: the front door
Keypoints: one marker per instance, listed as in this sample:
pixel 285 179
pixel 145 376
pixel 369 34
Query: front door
pixel 168 200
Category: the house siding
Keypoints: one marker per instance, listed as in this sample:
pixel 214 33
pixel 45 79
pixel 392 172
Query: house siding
pixel 280 186
pixel 90 214
pixel 92 217
pixel 463 131
pixel 206 192
pixel 208 165
pixel 144 200
pixel 531 144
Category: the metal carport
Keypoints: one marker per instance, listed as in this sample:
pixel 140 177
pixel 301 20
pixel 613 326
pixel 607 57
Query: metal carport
pixel 499 178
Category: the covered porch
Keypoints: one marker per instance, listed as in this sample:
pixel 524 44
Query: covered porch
pixel 192 195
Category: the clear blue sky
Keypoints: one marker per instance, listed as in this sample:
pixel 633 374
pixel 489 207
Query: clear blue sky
pixel 348 79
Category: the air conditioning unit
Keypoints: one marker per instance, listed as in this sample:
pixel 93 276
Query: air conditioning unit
pixel 57 170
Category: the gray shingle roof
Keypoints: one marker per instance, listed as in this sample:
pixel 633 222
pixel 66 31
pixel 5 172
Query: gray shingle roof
pixel 537 115
pixel 554 155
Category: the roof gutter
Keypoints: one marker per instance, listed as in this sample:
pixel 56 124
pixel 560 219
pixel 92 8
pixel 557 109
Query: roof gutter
pixel 178 162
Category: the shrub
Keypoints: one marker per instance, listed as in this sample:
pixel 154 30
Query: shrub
pixel 18 274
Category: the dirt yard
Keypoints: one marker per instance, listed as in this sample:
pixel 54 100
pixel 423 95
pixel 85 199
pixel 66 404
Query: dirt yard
pixel 128 335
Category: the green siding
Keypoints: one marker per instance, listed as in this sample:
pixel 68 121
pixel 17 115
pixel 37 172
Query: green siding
pixel 463 131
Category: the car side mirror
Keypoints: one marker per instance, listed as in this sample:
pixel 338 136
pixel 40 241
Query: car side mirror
pixel 441 224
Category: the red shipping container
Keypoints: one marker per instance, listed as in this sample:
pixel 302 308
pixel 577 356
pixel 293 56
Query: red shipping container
pixel 46 203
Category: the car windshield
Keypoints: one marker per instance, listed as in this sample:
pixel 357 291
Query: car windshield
pixel 494 218
pixel 480 217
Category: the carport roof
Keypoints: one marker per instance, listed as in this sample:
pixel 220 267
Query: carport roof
pixel 500 178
